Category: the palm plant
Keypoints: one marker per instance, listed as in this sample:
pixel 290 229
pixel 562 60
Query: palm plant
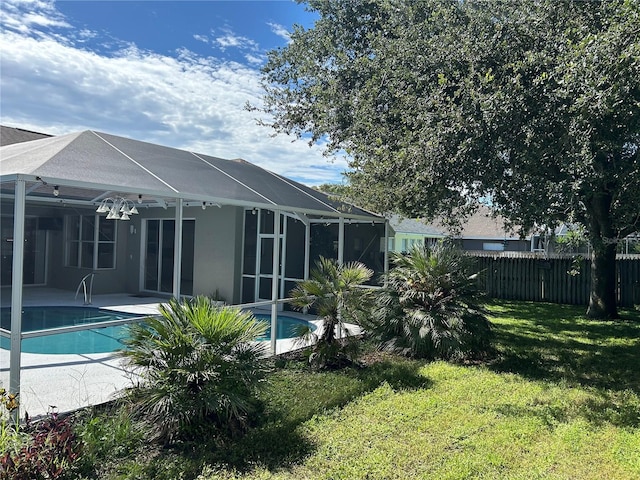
pixel 431 306
pixel 334 291
pixel 199 365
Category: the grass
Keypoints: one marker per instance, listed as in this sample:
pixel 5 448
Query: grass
pixel 559 399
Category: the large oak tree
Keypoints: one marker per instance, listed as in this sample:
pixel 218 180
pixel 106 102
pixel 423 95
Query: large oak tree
pixel 531 105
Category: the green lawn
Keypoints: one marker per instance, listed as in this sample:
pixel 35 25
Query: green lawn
pixel 560 399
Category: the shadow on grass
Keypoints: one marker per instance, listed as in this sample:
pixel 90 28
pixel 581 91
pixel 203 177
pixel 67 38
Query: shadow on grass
pixel 294 395
pixel 556 342
pixel 621 409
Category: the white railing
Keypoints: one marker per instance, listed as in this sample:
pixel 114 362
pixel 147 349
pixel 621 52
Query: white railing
pixel 75 328
pixel 83 284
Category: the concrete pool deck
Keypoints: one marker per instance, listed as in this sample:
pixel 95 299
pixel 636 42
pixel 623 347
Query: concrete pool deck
pixel 63 382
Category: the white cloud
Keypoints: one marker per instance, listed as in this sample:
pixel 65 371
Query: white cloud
pixel 280 31
pixel 254 59
pixel 26 15
pixel 229 39
pixel 189 101
pixel 201 38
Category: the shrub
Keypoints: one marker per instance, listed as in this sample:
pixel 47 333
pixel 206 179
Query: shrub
pixel 108 435
pixel 49 453
pixel 199 366
pixel 431 307
pixel 334 291
pixel 12 437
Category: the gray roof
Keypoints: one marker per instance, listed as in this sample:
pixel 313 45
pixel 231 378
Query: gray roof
pixel 480 225
pixel 415 226
pixel 483 224
pixel 11 135
pixel 89 161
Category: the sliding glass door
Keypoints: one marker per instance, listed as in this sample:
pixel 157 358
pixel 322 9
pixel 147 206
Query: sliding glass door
pixel 35 251
pixel 159 253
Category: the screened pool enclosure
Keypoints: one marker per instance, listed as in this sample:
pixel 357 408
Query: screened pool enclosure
pixel 145 219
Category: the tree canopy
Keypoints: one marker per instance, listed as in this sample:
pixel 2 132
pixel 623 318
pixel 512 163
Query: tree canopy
pixel 533 106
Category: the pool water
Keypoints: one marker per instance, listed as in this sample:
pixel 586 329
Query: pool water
pixel 100 339
pixel 288 327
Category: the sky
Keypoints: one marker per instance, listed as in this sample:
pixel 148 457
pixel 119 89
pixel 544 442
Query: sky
pixel 175 73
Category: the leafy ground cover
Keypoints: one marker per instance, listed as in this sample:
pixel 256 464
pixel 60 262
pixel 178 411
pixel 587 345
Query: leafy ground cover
pixel 558 399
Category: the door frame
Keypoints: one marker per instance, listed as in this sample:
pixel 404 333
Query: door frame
pixel 144 230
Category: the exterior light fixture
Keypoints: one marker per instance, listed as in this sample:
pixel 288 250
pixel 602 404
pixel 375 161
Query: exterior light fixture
pixel 139 198
pixel 204 205
pixel 118 208
pixel 56 191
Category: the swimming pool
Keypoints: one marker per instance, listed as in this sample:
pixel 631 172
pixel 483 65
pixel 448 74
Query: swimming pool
pixel 100 339
pixel 288 327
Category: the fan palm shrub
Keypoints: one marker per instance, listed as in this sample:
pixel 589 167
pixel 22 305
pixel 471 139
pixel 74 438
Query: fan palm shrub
pixel 199 366
pixel 431 306
pixel 335 292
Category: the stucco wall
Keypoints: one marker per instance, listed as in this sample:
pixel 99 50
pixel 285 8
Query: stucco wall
pixel 217 245
pixel 68 278
pixel 217 250
pixel 106 280
pixel 218 237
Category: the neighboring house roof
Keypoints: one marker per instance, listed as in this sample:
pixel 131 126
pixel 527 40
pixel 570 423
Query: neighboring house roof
pixel 414 226
pixel 480 225
pixel 483 225
pixel 11 135
pixel 84 162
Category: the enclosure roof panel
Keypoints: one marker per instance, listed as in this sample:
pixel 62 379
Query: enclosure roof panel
pixel 87 159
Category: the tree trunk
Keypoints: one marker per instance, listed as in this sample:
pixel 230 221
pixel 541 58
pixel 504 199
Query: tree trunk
pixel 602 299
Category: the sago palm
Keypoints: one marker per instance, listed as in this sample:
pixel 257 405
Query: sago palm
pixel 334 291
pixel 431 306
pixel 199 365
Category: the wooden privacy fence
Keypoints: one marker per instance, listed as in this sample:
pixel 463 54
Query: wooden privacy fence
pixel 552 278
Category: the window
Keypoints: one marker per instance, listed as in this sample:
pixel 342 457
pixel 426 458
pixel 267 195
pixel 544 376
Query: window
pixel 493 246
pixel 90 242
pixel 431 241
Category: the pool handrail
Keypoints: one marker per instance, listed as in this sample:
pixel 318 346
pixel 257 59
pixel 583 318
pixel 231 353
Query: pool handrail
pixel 83 283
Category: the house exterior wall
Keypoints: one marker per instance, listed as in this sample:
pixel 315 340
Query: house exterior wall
pixel 58 275
pixel 509 245
pixel 218 235
pixel 218 244
pixel 402 242
pixel 106 280
pixel 217 247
